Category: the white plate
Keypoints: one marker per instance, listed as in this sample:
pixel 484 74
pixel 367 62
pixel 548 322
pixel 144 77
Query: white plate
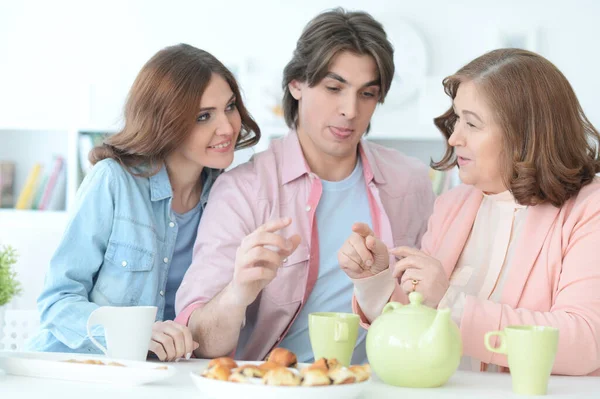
pixel 226 389
pixel 53 365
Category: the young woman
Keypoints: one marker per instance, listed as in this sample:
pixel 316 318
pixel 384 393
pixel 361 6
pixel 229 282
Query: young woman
pixel 130 237
pixel 517 243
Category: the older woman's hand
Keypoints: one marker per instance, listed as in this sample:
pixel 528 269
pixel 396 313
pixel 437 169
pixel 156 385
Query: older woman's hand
pixel 420 272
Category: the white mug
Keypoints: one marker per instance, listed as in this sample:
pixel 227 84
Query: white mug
pixel 127 330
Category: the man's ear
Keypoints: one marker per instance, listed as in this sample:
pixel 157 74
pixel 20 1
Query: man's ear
pixel 295 88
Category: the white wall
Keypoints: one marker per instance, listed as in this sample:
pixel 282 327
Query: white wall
pixel 35 236
pixel 67 64
pixel 71 62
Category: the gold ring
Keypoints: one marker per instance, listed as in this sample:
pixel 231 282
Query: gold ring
pixel 414 283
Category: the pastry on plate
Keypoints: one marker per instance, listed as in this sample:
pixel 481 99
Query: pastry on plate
pixel 266 366
pixel 341 375
pixel 223 361
pixel 322 364
pixel 252 371
pixel 282 357
pixel 237 377
pixel 217 372
pixel 362 373
pixel 333 364
pixel 315 377
pixel 281 376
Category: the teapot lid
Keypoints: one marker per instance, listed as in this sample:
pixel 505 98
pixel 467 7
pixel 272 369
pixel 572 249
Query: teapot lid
pixel 415 298
pixel 416 306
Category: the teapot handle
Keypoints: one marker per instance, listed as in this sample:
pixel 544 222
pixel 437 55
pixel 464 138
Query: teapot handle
pixel 391 306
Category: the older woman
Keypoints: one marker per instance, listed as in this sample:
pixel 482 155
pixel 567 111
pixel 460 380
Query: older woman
pixel 518 242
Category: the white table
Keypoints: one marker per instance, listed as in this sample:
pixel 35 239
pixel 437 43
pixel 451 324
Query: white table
pixel 463 384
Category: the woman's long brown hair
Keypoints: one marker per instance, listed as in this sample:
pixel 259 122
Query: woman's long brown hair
pixel 162 107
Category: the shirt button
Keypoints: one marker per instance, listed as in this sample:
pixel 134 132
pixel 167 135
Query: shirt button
pixel 162 293
pixel 308 208
pixel 171 224
pixel 124 263
pixel 285 260
pixel 166 260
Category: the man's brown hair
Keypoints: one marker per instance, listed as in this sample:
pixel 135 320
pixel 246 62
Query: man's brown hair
pixel 324 37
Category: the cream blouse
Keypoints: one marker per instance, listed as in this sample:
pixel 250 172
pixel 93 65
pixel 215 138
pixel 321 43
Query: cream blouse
pixel 485 261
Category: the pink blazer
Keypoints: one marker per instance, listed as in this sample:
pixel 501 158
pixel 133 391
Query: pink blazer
pixel 554 281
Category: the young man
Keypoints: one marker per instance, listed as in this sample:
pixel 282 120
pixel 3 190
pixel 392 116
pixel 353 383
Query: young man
pixel 266 251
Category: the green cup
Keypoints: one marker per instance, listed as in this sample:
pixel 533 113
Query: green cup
pixel 531 351
pixel 333 335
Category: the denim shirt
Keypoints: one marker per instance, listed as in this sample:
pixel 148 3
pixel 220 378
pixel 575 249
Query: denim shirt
pixel 116 251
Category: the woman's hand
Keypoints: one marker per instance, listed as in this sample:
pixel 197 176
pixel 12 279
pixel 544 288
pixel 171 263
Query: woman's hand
pixel 420 272
pixel 171 341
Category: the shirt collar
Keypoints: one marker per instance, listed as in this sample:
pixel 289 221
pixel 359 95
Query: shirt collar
pixel 209 176
pixel 505 198
pixel 160 185
pixel 369 163
pixel 294 164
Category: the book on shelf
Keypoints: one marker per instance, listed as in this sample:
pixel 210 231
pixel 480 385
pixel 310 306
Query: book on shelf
pixel 27 194
pixel 39 192
pixel 45 191
pixel 56 201
pixel 7 184
pixel 52 188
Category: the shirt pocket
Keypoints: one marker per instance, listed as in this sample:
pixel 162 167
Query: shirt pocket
pixel 124 274
pixel 289 285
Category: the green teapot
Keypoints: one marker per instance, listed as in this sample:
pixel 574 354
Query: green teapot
pixel 414 345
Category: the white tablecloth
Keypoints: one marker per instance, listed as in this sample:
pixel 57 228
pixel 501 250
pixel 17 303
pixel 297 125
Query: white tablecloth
pixel 462 385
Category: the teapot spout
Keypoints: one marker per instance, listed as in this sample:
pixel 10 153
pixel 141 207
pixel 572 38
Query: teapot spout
pixel 437 342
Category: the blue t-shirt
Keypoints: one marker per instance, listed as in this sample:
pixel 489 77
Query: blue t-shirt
pixel 182 255
pixel 342 204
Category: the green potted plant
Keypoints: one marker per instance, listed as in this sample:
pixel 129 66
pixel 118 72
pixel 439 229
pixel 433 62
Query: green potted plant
pixel 9 285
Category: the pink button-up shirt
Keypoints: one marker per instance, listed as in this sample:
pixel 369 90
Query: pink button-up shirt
pixel 278 183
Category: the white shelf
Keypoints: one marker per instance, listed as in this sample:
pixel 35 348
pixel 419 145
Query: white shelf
pixel 32 130
pixel 29 212
pixel 31 219
pixel 35 235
